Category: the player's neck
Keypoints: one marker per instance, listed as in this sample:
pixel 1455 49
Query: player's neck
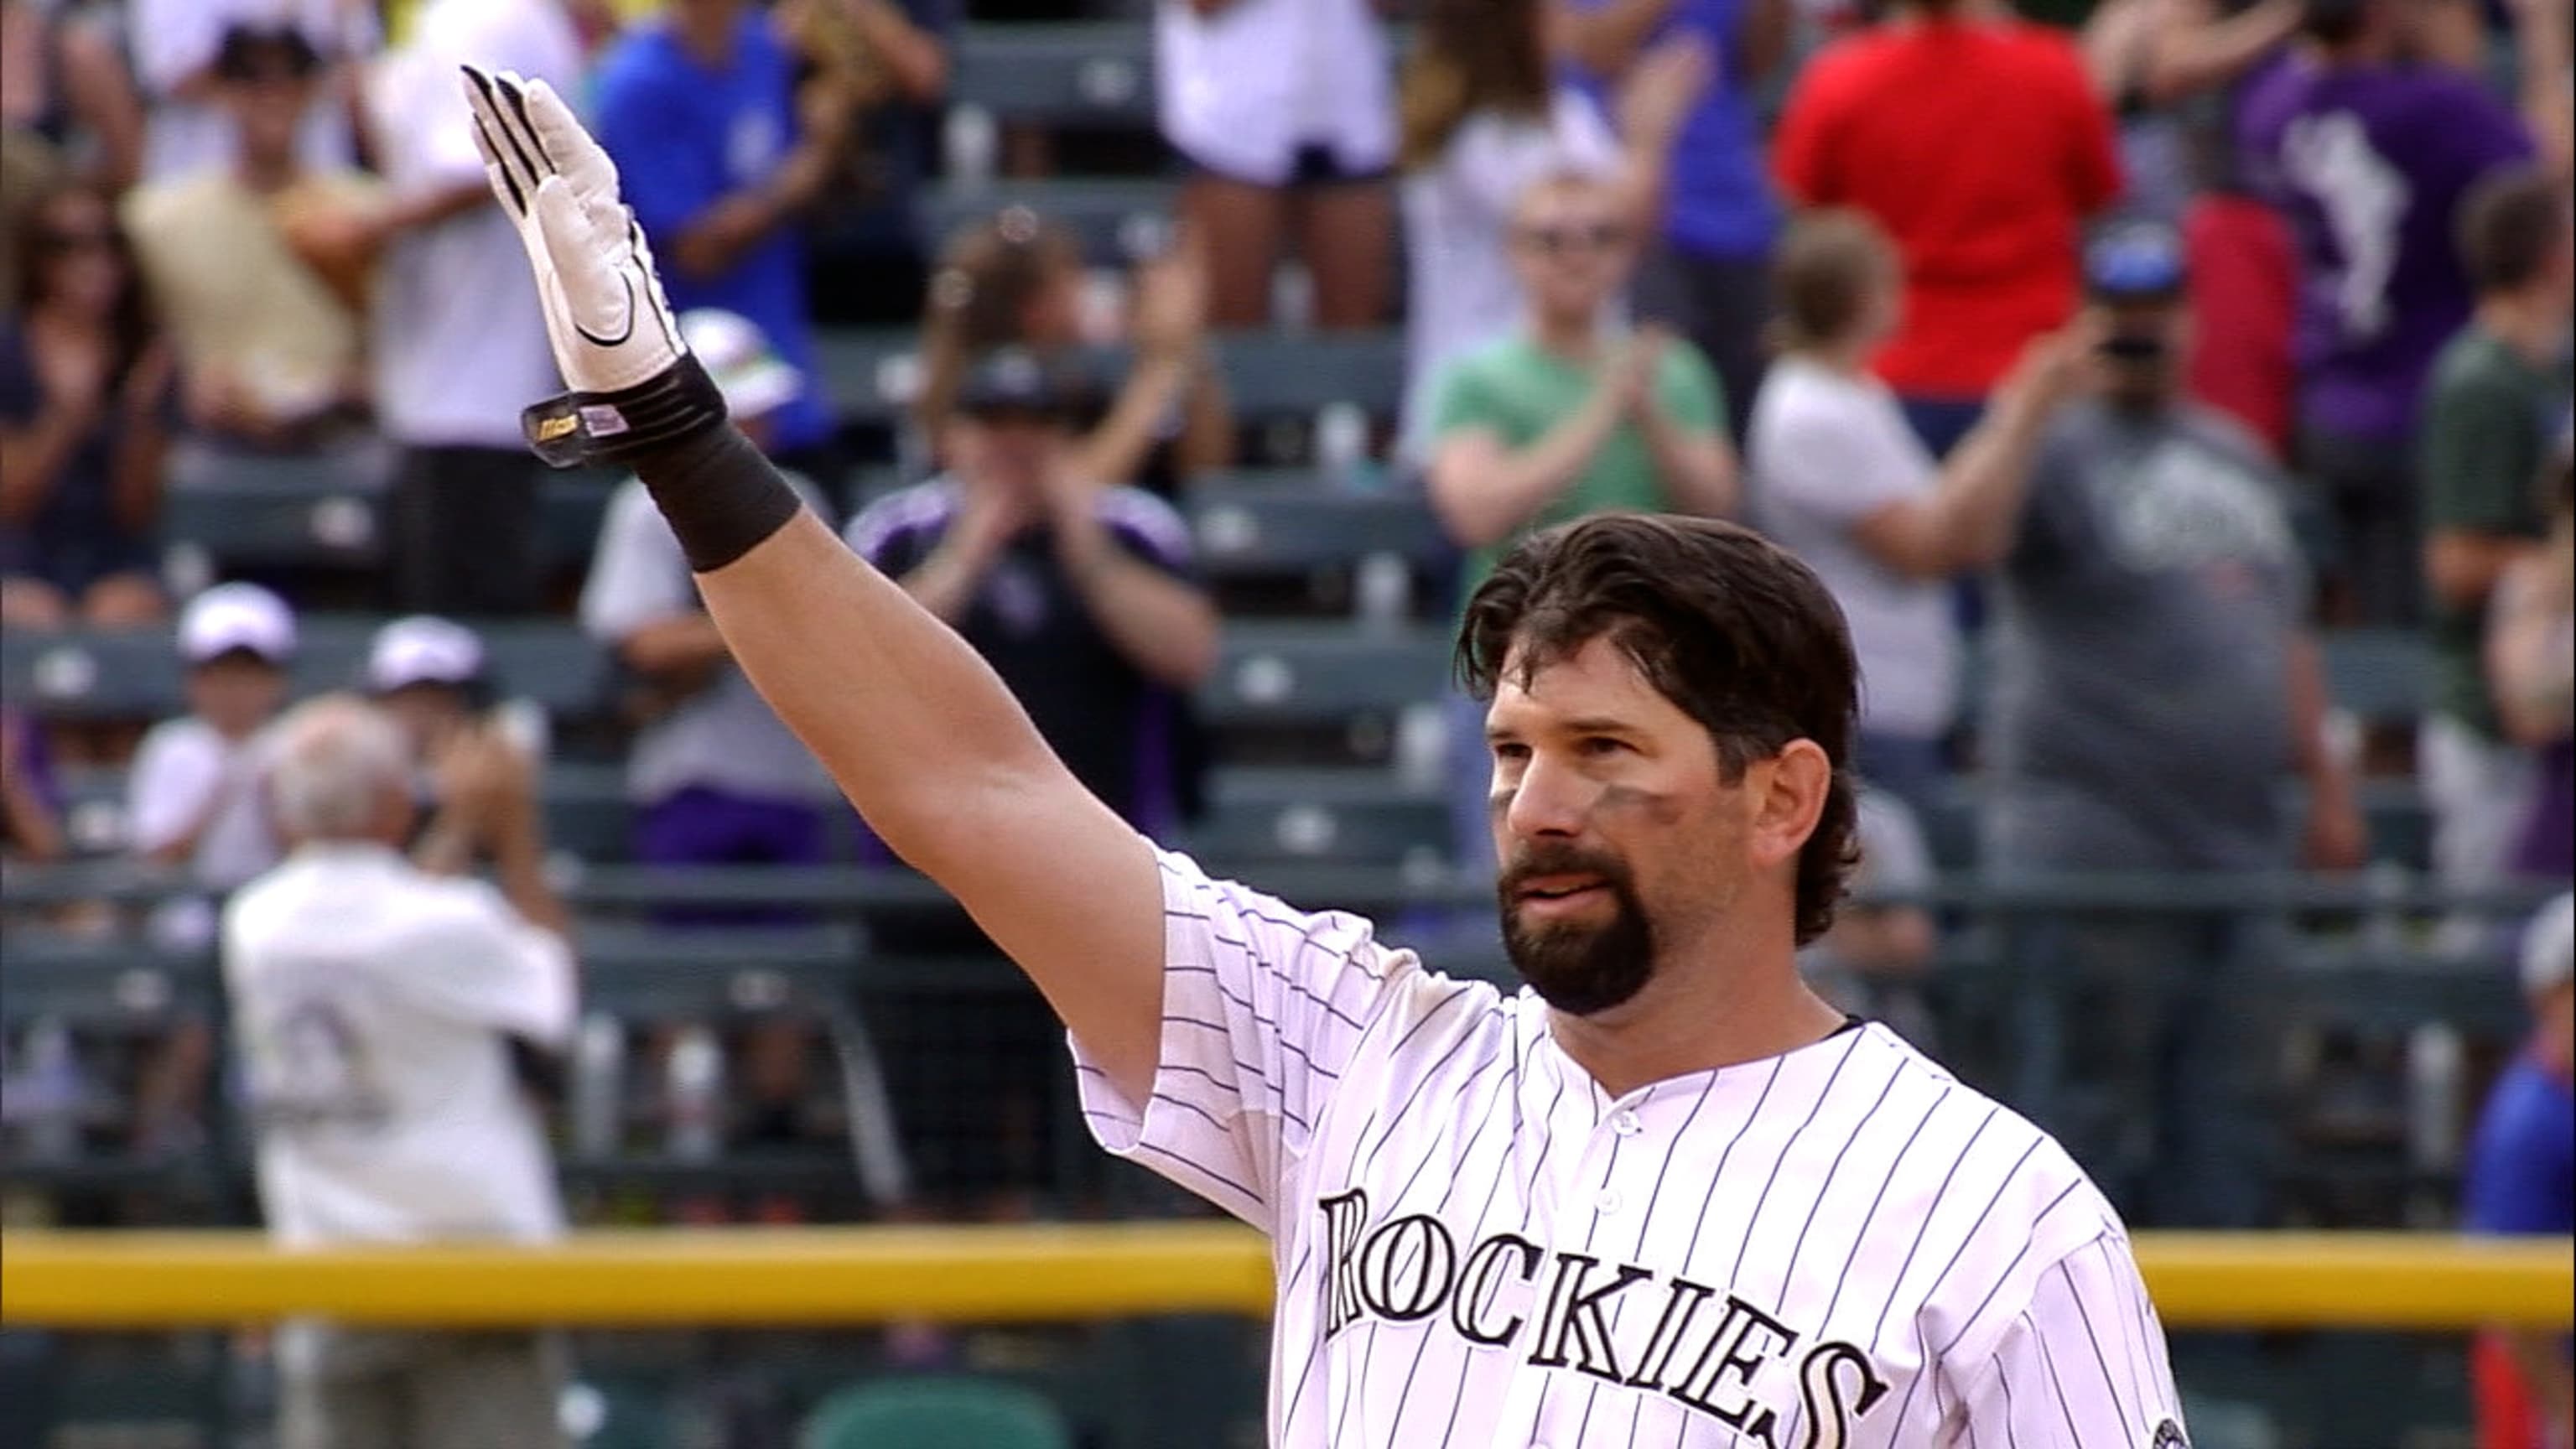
pixel 1696 1022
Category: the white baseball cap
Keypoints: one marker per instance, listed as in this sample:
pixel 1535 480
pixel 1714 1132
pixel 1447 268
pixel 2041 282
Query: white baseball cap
pixel 423 649
pixel 737 356
pixel 2549 947
pixel 235 616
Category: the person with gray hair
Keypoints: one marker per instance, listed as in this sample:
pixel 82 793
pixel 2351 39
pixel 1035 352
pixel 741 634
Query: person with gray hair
pixel 387 1013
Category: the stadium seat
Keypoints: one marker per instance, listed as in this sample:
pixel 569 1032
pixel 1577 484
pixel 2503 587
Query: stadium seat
pixel 1090 73
pixel 2381 675
pixel 1288 521
pixel 310 514
pixel 873 374
pixel 937 1413
pixel 135 674
pixel 1290 673
pixel 1348 816
pixel 1114 222
pixel 278 512
pixel 101 985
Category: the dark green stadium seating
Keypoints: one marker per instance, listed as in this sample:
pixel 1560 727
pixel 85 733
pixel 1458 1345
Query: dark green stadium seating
pixel 872 374
pixel 278 512
pixel 1295 673
pixel 1114 222
pixel 2381 675
pixel 135 674
pixel 1351 816
pixel 1273 522
pixel 263 513
pixel 1094 73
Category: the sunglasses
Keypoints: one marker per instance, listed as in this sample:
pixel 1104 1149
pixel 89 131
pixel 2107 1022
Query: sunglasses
pixel 76 239
pixel 1561 240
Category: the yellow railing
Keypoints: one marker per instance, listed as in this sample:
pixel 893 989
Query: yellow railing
pixel 754 1276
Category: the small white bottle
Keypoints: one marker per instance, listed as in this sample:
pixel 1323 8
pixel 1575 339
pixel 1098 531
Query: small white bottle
pixel 1342 445
pixel 693 1095
pixel 973 143
pixel 55 1092
pixel 599 1087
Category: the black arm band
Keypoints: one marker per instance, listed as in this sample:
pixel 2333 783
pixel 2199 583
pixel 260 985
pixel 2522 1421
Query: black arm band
pixel 721 496
pixel 723 499
pixel 584 429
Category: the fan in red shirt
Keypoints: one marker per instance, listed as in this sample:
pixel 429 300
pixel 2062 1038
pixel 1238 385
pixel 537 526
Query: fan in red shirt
pixel 1977 140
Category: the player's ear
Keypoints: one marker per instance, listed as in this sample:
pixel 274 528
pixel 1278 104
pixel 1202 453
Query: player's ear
pixel 1788 796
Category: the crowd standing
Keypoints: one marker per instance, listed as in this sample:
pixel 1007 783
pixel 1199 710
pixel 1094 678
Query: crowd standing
pixel 2121 358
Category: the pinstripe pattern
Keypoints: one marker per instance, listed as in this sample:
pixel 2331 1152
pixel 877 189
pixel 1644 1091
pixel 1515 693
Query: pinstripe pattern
pixel 1835 1248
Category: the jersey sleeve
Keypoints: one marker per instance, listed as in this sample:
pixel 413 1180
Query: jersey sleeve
pixel 1263 1008
pixel 2082 1366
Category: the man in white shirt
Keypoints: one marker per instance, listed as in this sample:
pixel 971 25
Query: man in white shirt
pixel 377 1008
pixel 450 379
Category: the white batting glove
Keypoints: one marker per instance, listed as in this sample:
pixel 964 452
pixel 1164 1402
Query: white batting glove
pixel 615 339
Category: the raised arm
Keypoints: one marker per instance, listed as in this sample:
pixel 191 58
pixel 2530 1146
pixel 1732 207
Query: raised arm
pixel 919 733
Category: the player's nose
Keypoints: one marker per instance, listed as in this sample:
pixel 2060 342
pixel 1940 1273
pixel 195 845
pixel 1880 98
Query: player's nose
pixel 1550 799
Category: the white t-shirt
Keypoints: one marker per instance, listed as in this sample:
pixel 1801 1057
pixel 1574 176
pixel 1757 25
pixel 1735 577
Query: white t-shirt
pixel 172 40
pixel 1473 1241
pixel 372 1001
pixel 1825 451
pixel 449 375
pixel 1457 223
pixel 181 766
pixel 1243 89
pixel 725 737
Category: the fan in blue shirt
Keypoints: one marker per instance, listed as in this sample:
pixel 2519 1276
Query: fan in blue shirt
pixel 2522 1179
pixel 699 111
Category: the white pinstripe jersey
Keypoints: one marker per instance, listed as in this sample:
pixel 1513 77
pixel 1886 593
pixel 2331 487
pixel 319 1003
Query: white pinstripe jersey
pixel 1835 1248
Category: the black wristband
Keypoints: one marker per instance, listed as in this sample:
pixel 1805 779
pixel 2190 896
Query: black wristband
pixel 721 496
pixel 580 429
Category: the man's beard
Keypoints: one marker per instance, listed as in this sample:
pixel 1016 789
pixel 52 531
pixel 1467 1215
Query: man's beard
pixel 1579 968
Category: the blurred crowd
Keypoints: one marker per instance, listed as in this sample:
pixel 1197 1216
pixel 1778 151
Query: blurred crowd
pixel 2124 350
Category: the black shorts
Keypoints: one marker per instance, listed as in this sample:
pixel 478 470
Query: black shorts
pixel 1316 163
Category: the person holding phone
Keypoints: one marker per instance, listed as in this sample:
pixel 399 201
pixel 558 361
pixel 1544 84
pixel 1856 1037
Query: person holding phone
pixel 2153 686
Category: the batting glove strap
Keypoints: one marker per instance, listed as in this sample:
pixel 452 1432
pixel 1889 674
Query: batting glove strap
pixel 582 429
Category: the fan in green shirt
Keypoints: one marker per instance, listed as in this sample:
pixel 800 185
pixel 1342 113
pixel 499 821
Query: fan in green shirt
pixel 2497 396
pixel 1568 418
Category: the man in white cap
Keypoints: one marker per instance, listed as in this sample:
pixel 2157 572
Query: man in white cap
pixel 2522 1179
pixel 715 778
pixel 193 800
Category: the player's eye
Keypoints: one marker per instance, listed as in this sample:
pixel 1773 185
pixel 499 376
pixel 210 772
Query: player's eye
pixel 1510 750
pixel 1598 746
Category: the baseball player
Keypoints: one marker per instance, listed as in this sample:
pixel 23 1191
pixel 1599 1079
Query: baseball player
pixel 1665 1195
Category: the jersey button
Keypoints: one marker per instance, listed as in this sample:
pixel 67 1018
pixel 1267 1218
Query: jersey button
pixel 1609 1201
pixel 1625 1123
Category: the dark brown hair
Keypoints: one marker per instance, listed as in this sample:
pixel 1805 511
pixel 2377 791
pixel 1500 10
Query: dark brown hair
pixel 2509 225
pixel 1470 56
pixel 989 277
pixel 1823 273
pixel 1728 626
pixel 131 325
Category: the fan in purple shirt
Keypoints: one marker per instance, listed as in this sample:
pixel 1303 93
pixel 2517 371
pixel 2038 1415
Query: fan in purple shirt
pixel 2368 152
